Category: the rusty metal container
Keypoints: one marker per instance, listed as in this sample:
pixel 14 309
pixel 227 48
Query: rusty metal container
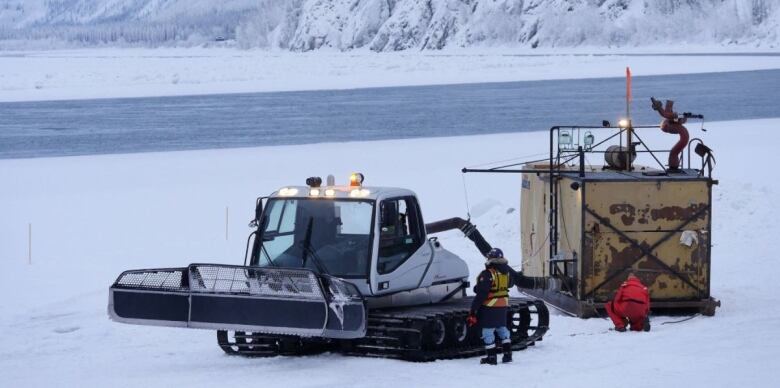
pixel 610 223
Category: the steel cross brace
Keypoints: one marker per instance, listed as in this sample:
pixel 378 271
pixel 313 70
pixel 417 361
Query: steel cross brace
pixel 645 251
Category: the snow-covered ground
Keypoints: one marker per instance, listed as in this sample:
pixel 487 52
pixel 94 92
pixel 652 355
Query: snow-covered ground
pixel 108 72
pixel 94 216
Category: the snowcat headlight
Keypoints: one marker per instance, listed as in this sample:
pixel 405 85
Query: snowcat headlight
pixel 359 193
pixel 623 123
pixel 314 192
pixel 356 179
pixel 288 191
pixel 330 193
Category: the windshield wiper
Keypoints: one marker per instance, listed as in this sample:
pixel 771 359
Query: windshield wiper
pixel 267 256
pixel 307 249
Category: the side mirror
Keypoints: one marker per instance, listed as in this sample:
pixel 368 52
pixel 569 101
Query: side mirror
pixel 258 212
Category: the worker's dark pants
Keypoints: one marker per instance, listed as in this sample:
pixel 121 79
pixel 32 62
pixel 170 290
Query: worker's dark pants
pixel 625 312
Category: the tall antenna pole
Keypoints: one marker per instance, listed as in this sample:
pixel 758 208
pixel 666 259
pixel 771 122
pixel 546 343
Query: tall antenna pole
pixel 630 126
pixel 628 93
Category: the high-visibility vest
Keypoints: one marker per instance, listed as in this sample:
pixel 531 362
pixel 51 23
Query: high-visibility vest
pixel 499 290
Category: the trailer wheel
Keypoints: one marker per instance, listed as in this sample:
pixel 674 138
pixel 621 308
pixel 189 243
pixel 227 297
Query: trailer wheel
pixel 438 333
pixel 459 331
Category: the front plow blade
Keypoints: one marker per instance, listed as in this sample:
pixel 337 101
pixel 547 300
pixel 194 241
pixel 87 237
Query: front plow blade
pixel 282 301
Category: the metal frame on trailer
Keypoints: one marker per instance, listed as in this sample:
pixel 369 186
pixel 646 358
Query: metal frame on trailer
pixel 558 159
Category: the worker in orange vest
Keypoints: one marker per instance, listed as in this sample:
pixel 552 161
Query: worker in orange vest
pixel 631 306
pixel 489 307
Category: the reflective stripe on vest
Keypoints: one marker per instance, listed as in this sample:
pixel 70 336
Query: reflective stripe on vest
pixel 499 290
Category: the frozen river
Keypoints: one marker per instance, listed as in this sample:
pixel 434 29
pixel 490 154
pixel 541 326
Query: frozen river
pixel 83 127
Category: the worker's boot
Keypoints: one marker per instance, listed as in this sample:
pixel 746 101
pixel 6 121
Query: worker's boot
pixel 646 325
pixel 507 347
pixel 622 329
pixel 492 356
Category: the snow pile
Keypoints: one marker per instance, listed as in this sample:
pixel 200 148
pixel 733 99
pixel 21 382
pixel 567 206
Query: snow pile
pixel 93 217
pixel 382 25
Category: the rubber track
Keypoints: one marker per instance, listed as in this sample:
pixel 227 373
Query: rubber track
pixel 406 333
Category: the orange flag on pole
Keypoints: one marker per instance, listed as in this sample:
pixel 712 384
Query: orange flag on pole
pixel 628 84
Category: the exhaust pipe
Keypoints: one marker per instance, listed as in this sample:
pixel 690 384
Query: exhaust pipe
pixel 470 230
pixel 465 226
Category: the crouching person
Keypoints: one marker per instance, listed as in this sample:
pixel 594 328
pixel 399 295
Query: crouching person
pixel 631 306
pixel 489 307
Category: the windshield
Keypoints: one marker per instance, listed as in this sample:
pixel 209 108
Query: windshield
pixel 327 235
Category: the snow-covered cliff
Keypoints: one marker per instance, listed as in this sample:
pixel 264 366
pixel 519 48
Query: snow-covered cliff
pixel 390 25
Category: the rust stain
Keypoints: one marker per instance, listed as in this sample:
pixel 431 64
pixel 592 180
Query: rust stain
pixel 642 214
pixel 620 259
pixel 649 271
pixel 678 213
pixel 596 262
pixel 676 265
pixel 628 212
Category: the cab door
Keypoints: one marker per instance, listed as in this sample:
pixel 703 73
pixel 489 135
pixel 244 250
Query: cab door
pixel 403 254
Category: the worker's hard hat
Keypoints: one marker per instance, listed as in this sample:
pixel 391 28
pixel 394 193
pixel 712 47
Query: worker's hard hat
pixel 495 253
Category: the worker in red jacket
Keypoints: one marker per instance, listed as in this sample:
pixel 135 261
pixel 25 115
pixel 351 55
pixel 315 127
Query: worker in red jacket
pixel 631 306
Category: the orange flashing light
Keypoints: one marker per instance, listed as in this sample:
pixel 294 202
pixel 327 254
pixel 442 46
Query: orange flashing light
pixel 356 179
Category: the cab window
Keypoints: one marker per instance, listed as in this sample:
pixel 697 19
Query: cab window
pixel 400 232
pixel 333 236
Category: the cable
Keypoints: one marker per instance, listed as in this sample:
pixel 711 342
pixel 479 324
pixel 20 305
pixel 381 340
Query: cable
pixel 563 219
pixel 681 320
pixel 541 245
pixel 534 253
pixel 507 160
pixel 466 196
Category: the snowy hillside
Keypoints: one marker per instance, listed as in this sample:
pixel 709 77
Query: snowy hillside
pixel 95 216
pixel 391 25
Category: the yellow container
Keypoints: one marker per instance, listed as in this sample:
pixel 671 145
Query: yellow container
pixel 608 223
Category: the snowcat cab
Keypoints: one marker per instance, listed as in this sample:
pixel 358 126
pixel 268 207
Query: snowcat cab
pixel 372 237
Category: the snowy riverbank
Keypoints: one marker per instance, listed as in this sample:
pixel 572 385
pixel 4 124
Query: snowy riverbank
pixel 109 72
pixel 95 216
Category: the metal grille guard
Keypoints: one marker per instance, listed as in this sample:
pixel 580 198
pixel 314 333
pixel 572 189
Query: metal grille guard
pixel 285 301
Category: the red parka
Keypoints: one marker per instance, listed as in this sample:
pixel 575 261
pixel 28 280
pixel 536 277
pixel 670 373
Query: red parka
pixel 631 303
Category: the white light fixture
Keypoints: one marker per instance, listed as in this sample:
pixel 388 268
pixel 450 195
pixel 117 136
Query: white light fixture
pixel 288 191
pixel 357 193
pixel 314 192
pixel 623 123
pixel 330 193
pixel 588 140
pixel 564 139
